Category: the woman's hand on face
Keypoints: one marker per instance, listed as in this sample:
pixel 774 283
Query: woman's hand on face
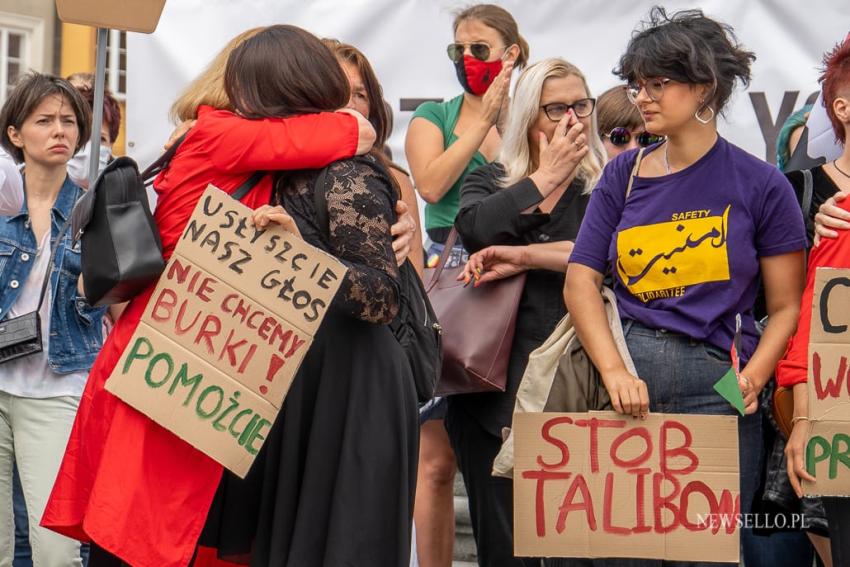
pixel 494 263
pixel 496 97
pixel 629 394
pixel 831 217
pixel 795 456
pixel 277 215
pixel 366 135
pixel 559 157
pixel 402 232
pixel 181 129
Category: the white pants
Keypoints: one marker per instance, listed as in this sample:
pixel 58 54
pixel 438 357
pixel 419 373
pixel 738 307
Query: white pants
pixel 33 433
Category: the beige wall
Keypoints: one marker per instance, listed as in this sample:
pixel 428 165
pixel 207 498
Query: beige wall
pixel 45 10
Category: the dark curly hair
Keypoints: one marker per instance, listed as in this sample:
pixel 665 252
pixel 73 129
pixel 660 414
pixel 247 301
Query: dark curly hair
pixel 688 47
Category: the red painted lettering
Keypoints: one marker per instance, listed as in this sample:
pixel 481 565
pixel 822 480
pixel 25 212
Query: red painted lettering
pixel 205 288
pixel 579 485
pixel 661 503
pixel 210 328
pixel 539 502
pixel 545 432
pixel 164 305
pixel 607 513
pixel 832 388
pixel 640 503
pixel 179 270
pixel 594 424
pixel 296 344
pixel 641 432
pixel 684 450
pixel 179 328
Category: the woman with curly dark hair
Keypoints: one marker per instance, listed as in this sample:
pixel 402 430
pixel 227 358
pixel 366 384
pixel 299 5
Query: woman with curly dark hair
pixel 687 227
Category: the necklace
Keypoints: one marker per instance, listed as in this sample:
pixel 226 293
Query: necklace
pixel 667 161
pixel 835 165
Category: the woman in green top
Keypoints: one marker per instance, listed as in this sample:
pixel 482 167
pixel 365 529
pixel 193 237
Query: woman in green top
pixel 446 141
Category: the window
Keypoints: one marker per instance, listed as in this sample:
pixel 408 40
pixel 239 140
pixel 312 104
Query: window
pixel 116 63
pixel 20 49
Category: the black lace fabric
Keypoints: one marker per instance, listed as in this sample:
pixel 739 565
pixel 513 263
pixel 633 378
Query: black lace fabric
pixel 361 202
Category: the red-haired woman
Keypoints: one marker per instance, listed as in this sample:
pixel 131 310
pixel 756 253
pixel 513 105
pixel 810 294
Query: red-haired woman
pixel 792 371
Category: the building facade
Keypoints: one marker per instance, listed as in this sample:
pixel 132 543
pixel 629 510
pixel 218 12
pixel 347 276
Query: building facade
pixel 33 39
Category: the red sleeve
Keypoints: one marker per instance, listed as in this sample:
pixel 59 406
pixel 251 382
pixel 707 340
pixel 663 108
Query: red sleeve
pixel 308 141
pixel 832 253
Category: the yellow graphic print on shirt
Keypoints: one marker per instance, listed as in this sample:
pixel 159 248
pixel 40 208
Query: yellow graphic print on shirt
pixel 660 260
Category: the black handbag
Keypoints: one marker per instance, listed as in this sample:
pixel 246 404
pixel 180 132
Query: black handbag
pixel 21 336
pixel 121 248
pixel 415 326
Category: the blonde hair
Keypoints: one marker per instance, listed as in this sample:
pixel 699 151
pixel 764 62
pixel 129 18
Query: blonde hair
pixel 515 154
pixel 208 87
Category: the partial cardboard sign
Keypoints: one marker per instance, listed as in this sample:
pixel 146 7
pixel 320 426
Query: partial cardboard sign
pixel 225 330
pixel 828 445
pixel 128 15
pixel 601 484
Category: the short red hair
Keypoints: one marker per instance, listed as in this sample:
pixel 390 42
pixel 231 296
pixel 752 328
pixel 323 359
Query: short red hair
pixel 835 81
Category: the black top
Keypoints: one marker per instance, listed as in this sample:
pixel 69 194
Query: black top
pixel 822 189
pixel 494 215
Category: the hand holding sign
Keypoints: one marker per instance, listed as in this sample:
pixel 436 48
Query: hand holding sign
pixel 229 322
pixel 629 394
pixel 266 214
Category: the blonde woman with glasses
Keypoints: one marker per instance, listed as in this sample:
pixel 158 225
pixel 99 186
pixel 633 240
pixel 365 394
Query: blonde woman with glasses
pixel 521 214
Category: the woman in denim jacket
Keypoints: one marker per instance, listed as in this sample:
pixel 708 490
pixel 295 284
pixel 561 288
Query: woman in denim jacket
pixel 44 123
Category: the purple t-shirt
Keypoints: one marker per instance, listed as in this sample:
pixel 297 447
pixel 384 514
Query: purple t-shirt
pixel 684 250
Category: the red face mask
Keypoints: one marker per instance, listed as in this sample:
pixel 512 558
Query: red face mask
pixel 476 76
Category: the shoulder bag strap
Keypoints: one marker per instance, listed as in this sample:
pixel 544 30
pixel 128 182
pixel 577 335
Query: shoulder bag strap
pixel 444 257
pixel 808 190
pixel 249 184
pixel 49 273
pixel 162 161
pixel 634 173
pixel 320 203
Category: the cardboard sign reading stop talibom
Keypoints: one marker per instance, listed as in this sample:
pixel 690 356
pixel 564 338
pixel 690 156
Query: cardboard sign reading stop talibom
pixel 225 330
pixel 828 446
pixel 601 484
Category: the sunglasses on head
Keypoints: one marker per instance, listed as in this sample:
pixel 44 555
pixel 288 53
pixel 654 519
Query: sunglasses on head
pixel 620 136
pixel 480 51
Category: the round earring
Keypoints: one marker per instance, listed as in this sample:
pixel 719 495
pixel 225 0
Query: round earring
pixel 702 120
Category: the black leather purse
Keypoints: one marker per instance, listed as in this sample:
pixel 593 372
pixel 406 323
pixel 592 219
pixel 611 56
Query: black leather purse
pixel 121 248
pixel 21 336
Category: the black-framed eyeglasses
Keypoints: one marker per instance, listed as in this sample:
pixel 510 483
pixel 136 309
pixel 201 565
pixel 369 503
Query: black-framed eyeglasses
pixel 555 111
pixel 479 50
pixel 620 136
pixel 654 89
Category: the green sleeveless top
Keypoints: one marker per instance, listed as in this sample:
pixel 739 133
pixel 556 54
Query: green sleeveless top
pixel 444 115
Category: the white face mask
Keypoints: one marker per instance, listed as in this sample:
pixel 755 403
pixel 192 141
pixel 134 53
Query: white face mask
pixel 78 166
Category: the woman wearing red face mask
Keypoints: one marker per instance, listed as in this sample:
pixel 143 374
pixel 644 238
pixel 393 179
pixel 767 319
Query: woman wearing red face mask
pixel 446 141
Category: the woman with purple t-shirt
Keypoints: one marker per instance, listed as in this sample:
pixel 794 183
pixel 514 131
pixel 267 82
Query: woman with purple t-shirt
pixel 686 228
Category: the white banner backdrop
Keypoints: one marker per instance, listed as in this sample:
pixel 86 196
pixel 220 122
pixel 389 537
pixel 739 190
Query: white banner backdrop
pixel 405 41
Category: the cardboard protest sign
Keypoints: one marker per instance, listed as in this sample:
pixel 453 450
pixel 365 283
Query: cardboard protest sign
pixel 601 484
pixel 828 446
pixel 128 15
pixel 225 330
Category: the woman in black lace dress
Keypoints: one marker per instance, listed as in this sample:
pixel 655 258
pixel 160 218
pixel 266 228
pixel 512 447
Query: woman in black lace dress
pixel 334 483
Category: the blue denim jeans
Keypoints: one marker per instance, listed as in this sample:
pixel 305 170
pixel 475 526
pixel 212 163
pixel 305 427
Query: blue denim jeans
pixel 680 374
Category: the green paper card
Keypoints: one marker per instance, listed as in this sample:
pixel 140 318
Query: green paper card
pixel 728 388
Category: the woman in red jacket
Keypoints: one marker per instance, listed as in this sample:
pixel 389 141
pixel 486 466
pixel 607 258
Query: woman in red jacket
pixel 792 370
pixel 127 484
